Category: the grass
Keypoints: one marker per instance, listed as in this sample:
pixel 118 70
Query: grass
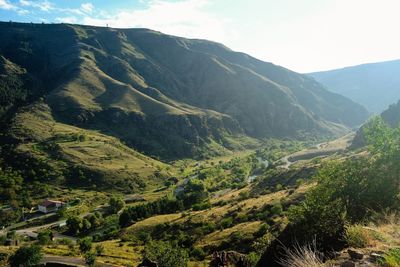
pixel 357 236
pixel 94 151
pixel 217 237
pixel 302 256
pixel 392 258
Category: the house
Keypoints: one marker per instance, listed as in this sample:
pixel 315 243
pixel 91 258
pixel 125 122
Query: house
pixel 50 205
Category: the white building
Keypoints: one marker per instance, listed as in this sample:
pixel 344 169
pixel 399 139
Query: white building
pixel 50 205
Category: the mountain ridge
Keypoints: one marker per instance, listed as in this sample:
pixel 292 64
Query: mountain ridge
pixel 167 96
pixel 374 85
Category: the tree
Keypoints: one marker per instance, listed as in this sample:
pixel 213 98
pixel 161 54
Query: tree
pixel 194 192
pixel 74 224
pixel 44 237
pixel 99 249
pixel 85 244
pixel 26 256
pixel 90 258
pixel 86 225
pixel 116 204
pixel 166 254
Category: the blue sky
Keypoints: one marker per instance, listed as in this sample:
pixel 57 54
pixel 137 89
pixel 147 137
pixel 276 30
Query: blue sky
pixel 302 35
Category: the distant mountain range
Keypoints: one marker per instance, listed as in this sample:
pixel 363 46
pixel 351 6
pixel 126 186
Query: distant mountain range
pixel 375 85
pixel 165 96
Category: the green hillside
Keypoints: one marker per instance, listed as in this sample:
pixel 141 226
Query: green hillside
pixel 91 105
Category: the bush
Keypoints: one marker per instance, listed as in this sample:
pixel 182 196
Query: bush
pixel 357 236
pixel 392 258
pixel 166 254
pixel 90 258
pixel 198 254
pixel 277 209
pixel 45 237
pixel 99 249
pixel 85 244
pixel 252 259
pixel 26 256
pixel 226 222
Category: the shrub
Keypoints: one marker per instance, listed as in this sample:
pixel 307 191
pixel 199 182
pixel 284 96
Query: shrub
pixel 26 256
pixel 392 258
pixel 277 209
pixel 198 254
pixel 90 258
pixel 99 249
pixel 357 236
pixel 44 237
pixel 252 259
pixel 226 222
pixel 85 244
pixel 166 254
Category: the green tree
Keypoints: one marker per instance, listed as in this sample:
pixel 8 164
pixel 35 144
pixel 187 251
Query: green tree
pixel 26 256
pixel 90 258
pixel 44 237
pixel 166 254
pixel 74 224
pixel 99 249
pixel 85 244
pixel 116 204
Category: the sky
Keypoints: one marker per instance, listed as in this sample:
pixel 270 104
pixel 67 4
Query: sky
pixel 302 35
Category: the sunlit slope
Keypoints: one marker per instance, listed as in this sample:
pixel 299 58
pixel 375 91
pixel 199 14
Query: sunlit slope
pixel 167 96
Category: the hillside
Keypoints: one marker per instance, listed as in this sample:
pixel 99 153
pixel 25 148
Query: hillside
pixel 168 96
pixel 374 85
pixel 390 116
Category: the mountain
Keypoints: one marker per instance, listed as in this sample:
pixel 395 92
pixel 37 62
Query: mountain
pixel 373 85
pixel 141 92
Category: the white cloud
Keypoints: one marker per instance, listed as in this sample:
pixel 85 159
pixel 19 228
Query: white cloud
pixel 4 4
pixel 44 5
pixel 87 7
pixel 184 18
pixel 22 12
pixel 67 19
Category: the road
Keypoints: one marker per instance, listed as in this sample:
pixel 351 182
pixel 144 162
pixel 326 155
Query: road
pixel 74 261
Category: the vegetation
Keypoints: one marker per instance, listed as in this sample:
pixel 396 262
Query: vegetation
pixel 26 256
pixel 166 254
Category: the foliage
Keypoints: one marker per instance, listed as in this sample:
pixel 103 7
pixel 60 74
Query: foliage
pixel 44 237
pixel 194 192
pixel 99 249
pixel 116 204
pixel 90 258
pixel 392 258
pixel 352 190
pixel 166 254
pixel 85 244
pixel 357 236
pixel 198 253
pixel 161 206
pixel 26 256
pixel 252 259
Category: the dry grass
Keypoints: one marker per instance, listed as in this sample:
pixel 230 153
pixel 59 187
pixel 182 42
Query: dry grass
pixel 216 238
pixel 358 236
pixel 302 256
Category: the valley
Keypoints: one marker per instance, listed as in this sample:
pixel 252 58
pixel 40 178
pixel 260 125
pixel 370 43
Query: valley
pixel 131 147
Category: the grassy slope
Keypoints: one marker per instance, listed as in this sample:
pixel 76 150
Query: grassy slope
pixel 121 165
